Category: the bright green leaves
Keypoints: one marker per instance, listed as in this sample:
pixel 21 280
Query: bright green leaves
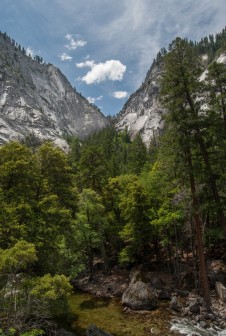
pixel 90 227
pixel 51 288
pixel 27 302
pixel 17 258
pixel 56 175
pixel 38 199
pixel 128 204
pixel 19 172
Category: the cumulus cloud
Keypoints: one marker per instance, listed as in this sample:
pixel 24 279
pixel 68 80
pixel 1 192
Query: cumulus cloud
pixel 89 64
pixel 92 100
pixel 110 70
pixel 73 44
pixel 65 57
pixel 120 94
pixel 29 51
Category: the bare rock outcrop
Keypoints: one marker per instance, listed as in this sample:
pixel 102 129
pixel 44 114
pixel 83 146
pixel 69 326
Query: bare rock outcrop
pixel 140 296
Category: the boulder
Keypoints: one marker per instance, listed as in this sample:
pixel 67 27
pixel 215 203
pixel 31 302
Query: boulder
pixel 175 305
pixel 187 280
pixel 92 330
pixel 164 294
pixel 140 296
pixel 217 272
pixel 204 325
pixel 157 283
pixel 135 275
pixel 194 308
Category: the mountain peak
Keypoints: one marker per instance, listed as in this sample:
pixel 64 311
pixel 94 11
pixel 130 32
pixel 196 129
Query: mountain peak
pixel 36 98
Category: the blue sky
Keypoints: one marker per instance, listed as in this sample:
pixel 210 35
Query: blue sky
pixel 104 47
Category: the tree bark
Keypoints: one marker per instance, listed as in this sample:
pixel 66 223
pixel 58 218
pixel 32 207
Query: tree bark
pixel 198 228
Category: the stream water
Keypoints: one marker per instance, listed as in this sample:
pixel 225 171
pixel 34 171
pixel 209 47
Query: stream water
pixel 107 314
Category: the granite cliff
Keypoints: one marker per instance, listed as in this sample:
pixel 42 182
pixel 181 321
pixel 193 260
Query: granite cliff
pixel 36 98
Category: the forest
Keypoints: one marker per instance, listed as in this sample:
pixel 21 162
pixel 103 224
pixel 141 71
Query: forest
pixel 113 198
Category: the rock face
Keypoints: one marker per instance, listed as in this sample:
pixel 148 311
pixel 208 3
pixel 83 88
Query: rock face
pixel 143 112
pixel 37 99
pixel 140 296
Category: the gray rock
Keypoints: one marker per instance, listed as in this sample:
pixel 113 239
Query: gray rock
pixel 37 99
pixel 175 305
pixel 143 112
pixel 164 294
pixel 204 325
pixel 135 276
pixel 92 330
pixel 140 296
pixel 194 308
pixel 217 272
pixel 157 283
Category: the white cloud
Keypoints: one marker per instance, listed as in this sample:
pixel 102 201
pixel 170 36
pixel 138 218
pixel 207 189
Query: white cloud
pixel 92 100
pixel 73 44
pixel 120 94
pixel 145 25
pixel 89 64
pixel 112 70
pixel 30 51
pixel 99 98
pixel 65 57
pixel 68 36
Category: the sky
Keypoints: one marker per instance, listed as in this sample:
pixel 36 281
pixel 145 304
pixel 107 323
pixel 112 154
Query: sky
pixel 105 47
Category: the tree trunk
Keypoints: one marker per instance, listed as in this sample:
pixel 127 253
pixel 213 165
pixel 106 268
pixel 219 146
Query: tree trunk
pixel 198 228
pixel 194 261
pixel 103 250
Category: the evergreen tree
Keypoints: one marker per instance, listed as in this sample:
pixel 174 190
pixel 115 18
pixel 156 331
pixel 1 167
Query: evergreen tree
pixel 137 155
pixel 90 228
pixel 180 90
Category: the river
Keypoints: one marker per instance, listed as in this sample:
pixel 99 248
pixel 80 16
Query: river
pixel 108 314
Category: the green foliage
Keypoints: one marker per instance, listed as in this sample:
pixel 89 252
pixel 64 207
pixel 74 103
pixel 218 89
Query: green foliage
pixel 33 332
pixel 17 258
pixel 92 167
pixel 195 130
pixel 56 174
pixel 127 202
pixel 106 154
pixel 50 288
pixel 26 302
pixel 10 332
pixel 18 178
pixel 137 155
pixel 90 227
pixel 214 236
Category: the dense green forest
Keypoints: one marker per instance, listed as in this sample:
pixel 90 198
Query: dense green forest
pixel 115 199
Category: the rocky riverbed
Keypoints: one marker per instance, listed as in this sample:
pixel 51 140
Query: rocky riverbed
pixel 181 305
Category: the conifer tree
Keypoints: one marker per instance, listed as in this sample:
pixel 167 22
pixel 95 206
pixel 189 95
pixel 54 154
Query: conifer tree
pixel 180 89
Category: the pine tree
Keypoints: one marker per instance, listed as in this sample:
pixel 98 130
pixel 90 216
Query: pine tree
pixel 180 89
